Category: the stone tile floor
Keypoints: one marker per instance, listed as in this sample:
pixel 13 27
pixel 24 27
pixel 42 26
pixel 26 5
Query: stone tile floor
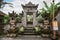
pixel 26 37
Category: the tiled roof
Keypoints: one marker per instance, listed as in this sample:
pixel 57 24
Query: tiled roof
pixel 1 13
pixel 30 4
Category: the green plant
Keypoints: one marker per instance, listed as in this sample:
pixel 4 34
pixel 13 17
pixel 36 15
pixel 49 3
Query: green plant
pixel 18 18
pixel 0 3
pixel 21 29
pixel 6 19
pixel 50 9
pixel 40 18
pixel 37 29
pixel 29 18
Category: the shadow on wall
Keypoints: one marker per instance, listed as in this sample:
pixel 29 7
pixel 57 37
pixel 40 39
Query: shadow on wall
pixel 58 19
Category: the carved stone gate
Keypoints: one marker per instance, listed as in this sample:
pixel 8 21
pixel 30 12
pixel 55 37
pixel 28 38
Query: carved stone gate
pixel 29 16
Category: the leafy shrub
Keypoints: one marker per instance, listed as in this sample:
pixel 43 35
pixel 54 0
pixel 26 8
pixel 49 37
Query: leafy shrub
pixel 37 29
pixel 21 29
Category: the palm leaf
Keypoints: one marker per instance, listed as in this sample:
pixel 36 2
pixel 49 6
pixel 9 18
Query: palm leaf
pixel 42 10
pixel 51 8
pixel 45 4
pixel 57 4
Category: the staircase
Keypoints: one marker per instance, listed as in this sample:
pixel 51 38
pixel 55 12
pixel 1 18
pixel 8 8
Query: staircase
pixel 29 30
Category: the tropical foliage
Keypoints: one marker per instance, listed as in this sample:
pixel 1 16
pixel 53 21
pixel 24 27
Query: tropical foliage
pixel 37 29
pixel 49 10
pixel 40 18
pixel 0 3
pixel 18 18
pixel 21 29
pixel 6 19
pixel 30 18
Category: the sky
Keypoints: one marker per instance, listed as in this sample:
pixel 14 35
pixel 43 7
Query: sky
pixel 17 5
pixel 8 0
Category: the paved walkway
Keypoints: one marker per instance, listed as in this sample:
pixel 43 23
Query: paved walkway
pixel 26 37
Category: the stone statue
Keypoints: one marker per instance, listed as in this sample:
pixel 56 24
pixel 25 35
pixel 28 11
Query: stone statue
pixel 12 29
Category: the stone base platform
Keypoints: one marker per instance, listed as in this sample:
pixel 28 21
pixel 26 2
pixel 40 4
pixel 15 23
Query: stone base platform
pixel 25 37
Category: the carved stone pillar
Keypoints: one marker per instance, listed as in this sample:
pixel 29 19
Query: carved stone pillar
pixel 24 20
pixel 34 19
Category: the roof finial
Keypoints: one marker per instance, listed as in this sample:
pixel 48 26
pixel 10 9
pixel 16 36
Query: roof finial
pixel 53 0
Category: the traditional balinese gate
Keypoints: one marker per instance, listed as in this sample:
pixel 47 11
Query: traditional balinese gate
pixel 29 17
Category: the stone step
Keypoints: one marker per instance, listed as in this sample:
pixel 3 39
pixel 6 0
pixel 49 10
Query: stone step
pixel 29 33
pixel 29 30
pixel 28 27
